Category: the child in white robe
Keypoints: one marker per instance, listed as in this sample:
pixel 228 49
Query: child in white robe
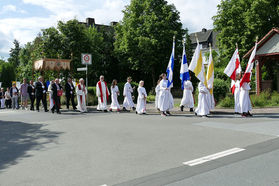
pixel 203 108
pixel 157 91
pixel 2 98
pixel 244 99
pixel 81 96
pixel 127 93
pixel 237 109
pixel 114 94
pixel 51 101
pixel 165 101
pixel 141 102
pixel 102 93
pixel 187 99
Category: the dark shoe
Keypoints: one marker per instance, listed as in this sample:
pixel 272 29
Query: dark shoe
pixel 52 110
pixel 110 110
pixel 105 110
pixel 136 112
pixel 124 109
pixel 163 114
pixel 181 108
pixel 168 113
pixel 46 110
pixel 134 108
pixel 191 110
pixel 59 112
pixel 244 114
pixel 38 110
pixel 249 114
pixel 196 114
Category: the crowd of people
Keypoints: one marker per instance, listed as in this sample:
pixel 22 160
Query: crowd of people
pixel 163 102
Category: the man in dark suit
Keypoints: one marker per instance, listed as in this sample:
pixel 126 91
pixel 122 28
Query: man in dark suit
pixel 40 93
pixel 31 92
pixel 70 94
pixel 56 88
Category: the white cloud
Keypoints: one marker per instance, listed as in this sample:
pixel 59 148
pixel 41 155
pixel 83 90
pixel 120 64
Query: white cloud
pixel 194 15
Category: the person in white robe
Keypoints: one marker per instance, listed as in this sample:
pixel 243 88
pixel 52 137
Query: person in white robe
pixel 128 103
pixel 244 100
pixel 102 93
pixel 237 109
pixel 203 108
pixel 81 96
pixel 141 102
pixel 114 94
pixel 165 100
pixel 210 99
pixel 157 91
pixel 51 101
pixel 187 99
pixel 2 98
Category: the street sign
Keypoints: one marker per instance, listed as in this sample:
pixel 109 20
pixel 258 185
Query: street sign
pixel 86 59
pixel 82 69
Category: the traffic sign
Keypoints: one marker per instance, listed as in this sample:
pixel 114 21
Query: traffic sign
pixel 82 69
pixel 86 59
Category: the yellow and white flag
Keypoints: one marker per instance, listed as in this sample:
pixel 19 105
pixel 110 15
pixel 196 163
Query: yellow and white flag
pixel 197 65
pixel 210 73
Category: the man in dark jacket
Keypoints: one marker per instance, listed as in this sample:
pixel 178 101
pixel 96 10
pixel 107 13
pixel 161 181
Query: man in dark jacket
pixel 40 93
pixel 31 93
pixel 56 88
pixel 70 94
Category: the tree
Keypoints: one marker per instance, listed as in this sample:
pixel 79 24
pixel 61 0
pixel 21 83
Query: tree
pixel 7 73
pixel 240 21
pixel 14 54
pixel 144 37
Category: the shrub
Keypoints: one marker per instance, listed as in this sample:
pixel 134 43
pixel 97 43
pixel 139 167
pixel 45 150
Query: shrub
pixel 221 88
pixel 150 98
pixel 275 99
pixel 227 102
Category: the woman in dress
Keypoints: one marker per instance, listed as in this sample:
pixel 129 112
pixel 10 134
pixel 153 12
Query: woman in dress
pixel 165 101
pixel 114 94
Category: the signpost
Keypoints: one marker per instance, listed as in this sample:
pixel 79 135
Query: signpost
pixel 86 59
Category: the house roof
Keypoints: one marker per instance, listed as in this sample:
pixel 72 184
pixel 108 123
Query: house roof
pixel 261 43
pixel 202 36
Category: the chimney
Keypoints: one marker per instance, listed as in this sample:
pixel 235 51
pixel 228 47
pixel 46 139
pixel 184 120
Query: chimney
pixel 204 30
pixel 90 21
pixel 113 23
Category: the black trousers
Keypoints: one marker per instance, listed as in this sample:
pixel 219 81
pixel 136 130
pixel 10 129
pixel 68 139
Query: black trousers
pixel 32 99
pixel 57 104
pixel 71 98
pixel 39 99
pixel 8 103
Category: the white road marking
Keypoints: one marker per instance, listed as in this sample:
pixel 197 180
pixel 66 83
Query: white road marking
pixel 213 156
pixel 104 185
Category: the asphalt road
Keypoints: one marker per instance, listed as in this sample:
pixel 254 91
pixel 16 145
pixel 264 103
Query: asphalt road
pixel 127 149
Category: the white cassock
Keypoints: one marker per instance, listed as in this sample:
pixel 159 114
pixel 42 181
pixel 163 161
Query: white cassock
pixel 236 97
pixel 165 100
pixel 51 101
pixel 3 100
pixel 128 100
pixel 81 97
pixel 244 98
pixel 187 99
pixel 102 105
pixel 114 93
pixel 203 103
pixel 157 91
pixel 141 102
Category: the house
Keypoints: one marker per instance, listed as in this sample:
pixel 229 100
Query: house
pixel 205 37
pixel 91 22
pixel 267 57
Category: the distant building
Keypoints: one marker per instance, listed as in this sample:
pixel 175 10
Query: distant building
pixel 205 37
pixel 91 22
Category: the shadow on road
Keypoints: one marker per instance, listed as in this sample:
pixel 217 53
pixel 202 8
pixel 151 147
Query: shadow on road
pixel 16 138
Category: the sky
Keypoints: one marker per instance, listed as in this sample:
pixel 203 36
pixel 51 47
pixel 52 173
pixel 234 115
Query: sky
pixel 23 19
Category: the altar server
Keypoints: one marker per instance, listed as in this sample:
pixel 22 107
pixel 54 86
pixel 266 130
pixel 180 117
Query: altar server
pixel 157 91
pixel 187 99
pixel 141 102
pixel 114 94
pixel 51 101
pixel 203 108
pixel 81 96
pixel 244 100
pixel 165 101
pixel 237 108
pixel 102 94
pixel 127 93
pixel 2 98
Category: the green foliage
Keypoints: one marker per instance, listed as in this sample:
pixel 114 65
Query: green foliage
pixel 220 90
pixel 7 73
pixel 144 37
pixel 264 99
pixel 227 102
pixel 14 54
pixel 240 21
pixel 150 98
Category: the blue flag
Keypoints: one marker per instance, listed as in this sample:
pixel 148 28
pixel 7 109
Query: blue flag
pixel 170 66
pixel 184 72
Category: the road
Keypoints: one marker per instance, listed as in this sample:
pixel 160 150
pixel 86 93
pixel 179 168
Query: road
pixel 44 149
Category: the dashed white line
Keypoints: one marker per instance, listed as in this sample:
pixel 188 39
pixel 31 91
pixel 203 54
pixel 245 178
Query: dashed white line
pixel 213 156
